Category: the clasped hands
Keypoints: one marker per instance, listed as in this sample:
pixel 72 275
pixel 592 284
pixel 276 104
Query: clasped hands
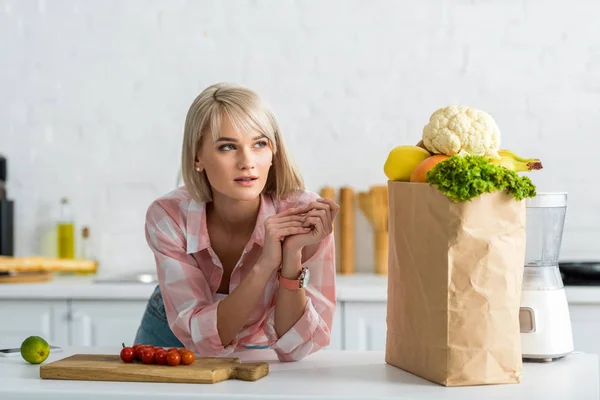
pixel 291 230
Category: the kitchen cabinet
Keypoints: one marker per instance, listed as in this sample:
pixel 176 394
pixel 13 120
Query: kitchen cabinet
pixel 336 340
pixel 76 312
pixel 86 323
pixel 104 322
pixel 23 318
pixel 356 326
pixel 364 325
pixel 585 323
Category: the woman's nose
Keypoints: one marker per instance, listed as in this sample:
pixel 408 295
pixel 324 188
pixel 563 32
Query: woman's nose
pixel 246 160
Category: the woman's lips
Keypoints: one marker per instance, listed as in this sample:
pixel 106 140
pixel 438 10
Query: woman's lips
pixel 247 182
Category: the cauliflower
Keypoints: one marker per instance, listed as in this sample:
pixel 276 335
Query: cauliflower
pixel 462 130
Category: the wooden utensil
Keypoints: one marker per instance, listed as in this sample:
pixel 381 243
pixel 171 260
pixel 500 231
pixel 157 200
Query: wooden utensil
pixel 109 367
pixel 374 204
pixel 347 221
pixel 380 227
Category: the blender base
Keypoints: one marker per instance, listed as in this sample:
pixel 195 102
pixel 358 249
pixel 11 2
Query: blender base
pixel 545 325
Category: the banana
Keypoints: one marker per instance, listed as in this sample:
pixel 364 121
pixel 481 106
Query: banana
pixel 510 160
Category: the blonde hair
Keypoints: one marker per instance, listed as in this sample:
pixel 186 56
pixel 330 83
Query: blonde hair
pixel 247 112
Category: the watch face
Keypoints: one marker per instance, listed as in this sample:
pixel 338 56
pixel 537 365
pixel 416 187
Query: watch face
pixel 305 278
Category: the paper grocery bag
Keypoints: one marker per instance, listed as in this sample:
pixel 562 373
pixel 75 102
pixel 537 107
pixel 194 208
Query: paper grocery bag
pixel 454 285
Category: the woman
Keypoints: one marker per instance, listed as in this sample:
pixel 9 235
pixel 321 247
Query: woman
pixel 236 245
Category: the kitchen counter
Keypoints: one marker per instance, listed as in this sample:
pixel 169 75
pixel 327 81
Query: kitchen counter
pixel 324 375
pixel 357 287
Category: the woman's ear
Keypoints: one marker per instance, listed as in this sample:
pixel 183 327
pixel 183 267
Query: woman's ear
pixel 198 166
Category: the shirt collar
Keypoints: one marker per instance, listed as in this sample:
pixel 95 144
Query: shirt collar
pixel 197 229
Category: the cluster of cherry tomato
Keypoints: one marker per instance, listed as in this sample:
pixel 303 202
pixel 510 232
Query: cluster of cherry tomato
pixel 157 355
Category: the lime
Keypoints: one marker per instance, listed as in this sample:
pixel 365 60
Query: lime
pixel 35 350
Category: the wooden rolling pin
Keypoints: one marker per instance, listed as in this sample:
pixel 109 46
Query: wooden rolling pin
pixel 380 228
pixel 347 246
pixel 374 204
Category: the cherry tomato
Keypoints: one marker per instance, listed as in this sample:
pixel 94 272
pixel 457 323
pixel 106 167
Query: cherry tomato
pixel 148 356
pixel 187 357
pixel 127 354
pixel 138 352
pixel 182 350
pixel 161 357
pixel 173 358
pixel 172 349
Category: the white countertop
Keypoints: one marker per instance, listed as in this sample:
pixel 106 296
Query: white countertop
pixel 323 375
pixel 357 287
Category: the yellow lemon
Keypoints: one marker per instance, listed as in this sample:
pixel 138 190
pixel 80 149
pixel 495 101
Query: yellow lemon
pixel 35 350
pixel 402 160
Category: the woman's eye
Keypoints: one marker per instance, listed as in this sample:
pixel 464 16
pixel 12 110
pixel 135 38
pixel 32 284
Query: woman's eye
pixel 262 143
pixel 226 147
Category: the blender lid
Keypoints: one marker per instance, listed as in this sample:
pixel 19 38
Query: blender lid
pixel 548 199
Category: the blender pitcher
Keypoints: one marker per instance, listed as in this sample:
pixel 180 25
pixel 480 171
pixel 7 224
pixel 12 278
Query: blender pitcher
pixel 544 314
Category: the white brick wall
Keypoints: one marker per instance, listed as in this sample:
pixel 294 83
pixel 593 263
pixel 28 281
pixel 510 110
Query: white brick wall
pixel 93 95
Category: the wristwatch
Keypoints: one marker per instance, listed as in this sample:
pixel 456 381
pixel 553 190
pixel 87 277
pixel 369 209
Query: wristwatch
pixel 295 284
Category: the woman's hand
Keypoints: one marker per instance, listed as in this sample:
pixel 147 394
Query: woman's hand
pixel 320 219
pixel 277 228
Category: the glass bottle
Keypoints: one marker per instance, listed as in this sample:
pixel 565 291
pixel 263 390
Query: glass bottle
pixel 65 231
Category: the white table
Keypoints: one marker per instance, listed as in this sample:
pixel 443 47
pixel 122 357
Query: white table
pixel 324 375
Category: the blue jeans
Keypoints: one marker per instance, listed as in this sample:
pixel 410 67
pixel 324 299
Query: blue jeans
pixel 154 329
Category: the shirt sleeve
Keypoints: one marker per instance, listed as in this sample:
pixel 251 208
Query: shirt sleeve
pixel 190 309
pixel 313 330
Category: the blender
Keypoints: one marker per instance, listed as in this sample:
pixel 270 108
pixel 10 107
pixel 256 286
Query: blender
pixel 544 314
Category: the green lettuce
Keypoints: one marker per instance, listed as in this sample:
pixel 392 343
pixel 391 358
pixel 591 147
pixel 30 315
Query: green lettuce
pixel 463 178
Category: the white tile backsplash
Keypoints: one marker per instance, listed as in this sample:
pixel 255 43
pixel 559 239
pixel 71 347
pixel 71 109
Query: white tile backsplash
pixel 93 96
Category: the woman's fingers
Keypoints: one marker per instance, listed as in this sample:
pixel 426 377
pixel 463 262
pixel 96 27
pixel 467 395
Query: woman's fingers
pixel 315 205
pixel 318 215
pixel 333 206
pixel 278 231
pixel 294 231
pixel 322 215
pixel 279 220
pixel 289 224
pixel 291 211
pixel 318 225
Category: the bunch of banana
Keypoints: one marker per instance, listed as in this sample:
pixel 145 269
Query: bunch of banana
pixel 510 160
pixel 403 160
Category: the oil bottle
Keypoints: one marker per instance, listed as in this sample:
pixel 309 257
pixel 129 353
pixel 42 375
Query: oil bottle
pixel 66 231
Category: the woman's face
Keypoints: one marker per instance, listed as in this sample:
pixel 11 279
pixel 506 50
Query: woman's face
pixel 236 164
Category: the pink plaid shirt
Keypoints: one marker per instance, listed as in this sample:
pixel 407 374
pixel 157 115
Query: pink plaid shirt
pixel 189 274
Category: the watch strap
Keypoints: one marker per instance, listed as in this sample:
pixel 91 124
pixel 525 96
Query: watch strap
pixel 291 284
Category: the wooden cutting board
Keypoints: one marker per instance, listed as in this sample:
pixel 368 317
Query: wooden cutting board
pixel 102 367
pixel 25 277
